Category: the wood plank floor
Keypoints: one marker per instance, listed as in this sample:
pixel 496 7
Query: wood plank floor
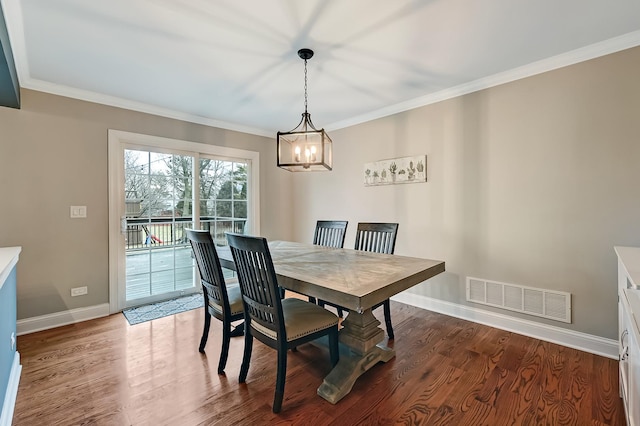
pixel 447 372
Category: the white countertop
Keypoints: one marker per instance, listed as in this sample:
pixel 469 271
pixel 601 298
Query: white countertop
pixel 630 257
pixel 8 259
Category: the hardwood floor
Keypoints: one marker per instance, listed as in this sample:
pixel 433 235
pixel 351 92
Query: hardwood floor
pixel 447 372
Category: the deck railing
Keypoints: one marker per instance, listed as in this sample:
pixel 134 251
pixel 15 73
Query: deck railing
pixel 144 233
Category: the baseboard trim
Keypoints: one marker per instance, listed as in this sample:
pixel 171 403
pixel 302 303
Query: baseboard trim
pixel 561 336
pixel 57 319
pixel 9 404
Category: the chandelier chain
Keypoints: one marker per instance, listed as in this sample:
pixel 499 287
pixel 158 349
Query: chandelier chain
pixel 305 86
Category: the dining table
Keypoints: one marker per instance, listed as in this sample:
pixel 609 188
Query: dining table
pixel 355 280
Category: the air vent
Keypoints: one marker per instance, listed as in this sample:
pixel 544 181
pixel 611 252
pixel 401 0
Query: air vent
pixel 550 304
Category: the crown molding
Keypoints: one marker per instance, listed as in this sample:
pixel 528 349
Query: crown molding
pixel 89 96
pixel 586 53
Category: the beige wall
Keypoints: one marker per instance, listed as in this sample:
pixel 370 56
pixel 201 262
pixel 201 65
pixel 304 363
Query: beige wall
pixel 53 154
pixel 532 182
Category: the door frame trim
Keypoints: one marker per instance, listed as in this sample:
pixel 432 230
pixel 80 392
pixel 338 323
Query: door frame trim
pixel 117 141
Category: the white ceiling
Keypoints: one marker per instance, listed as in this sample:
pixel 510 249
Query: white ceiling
pixel 234 64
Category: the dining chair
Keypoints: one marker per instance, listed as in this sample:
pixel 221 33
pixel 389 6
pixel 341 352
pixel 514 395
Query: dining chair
pixel 329 233
pixel 378 238
pixel 281 324
pixel 222 300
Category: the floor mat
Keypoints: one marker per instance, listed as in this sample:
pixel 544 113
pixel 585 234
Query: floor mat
pixel 163 309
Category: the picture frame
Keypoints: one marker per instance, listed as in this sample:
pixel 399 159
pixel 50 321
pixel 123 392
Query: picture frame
pixel 396 171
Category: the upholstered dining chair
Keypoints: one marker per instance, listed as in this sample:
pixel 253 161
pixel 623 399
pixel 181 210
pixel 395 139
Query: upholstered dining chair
pixel 222 300
pixel 281 324
pixel 378 238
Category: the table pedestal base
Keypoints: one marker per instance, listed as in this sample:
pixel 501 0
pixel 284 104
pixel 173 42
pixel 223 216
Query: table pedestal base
pixel 351 366
pixel 360 349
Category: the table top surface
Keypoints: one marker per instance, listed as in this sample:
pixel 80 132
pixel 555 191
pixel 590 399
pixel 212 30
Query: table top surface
pixel 354 279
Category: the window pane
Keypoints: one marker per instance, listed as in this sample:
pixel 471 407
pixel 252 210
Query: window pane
pixel 223 209
pixel 239 226
pixel 179 234
pixel 159 163
pixel 207 208
pixel 222 226
pixel 183 207
pixel 136 162
pixel 240 191
pixel 240 209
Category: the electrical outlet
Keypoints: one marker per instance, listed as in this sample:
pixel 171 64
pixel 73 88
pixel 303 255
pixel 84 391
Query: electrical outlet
pixel 79 291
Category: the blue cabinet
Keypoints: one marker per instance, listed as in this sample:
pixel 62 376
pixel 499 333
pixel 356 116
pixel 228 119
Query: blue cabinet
pixel 9 357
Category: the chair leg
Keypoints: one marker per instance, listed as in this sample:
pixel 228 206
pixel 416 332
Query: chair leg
pixel 312 300
pixel 205 332
pixel 224 352
pixel 321 303
pixel 246 358
pixel 387 318
pixel 282 375
pixel 334 348
pixel 340 313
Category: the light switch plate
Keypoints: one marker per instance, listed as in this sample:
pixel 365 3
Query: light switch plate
pixel 78 212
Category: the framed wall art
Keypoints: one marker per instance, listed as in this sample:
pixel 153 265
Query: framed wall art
pixel 396 171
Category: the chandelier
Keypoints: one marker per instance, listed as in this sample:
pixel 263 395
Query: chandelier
pixel 305 148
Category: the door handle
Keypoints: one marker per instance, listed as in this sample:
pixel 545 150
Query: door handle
pixel 123 226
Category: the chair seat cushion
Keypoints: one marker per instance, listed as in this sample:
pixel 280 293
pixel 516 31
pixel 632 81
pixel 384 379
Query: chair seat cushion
pixel 235 299
pixel 301 318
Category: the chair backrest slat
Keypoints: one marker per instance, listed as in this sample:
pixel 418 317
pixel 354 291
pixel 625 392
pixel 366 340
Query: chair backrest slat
pixel 330 233
pixel 376 237
pixel 258 282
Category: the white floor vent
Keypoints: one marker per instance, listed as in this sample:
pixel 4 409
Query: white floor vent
pixel 551 304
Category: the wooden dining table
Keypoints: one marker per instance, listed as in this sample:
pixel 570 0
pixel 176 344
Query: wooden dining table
pixel 356 280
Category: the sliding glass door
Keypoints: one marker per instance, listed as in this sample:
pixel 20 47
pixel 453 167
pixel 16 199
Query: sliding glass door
pixel 163 191
pixel 159 207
